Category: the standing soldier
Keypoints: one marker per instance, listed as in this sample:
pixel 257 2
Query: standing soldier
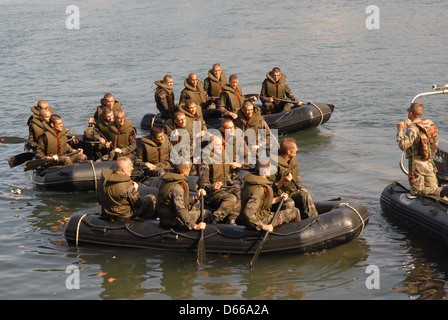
pixel 164 97
pixel 420 143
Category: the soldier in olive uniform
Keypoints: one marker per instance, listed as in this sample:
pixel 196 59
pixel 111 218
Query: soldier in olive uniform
pixel 422 172
pixel 164 97
pixel 213 84
pixel 175 208
pixel 154 152
pixel 122 136
pixel 107 101
pixel 291 184
pixel 194 90
pixel 273 89
pixel 37 127
pixel 258 200
pixel 41 105
pixel 119 197
pixel 53 145
pixel 215 177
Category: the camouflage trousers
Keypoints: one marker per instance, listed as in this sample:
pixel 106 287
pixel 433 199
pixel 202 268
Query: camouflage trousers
pixel 229 201
pixel 68 160
pixel 288 213
pixel 304 203
pixel 422 178
pixel 148 208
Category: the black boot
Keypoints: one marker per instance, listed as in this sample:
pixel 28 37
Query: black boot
pixel 444 192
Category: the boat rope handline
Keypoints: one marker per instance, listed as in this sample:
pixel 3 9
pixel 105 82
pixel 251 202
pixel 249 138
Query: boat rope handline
pixel 297 231
pixel 77 228
pixel 284 115
pixel 321 113
pixel 356 211
pixel 217 232
pixel 94 173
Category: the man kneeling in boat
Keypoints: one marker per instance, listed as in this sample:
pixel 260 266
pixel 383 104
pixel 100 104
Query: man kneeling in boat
pixel 257 200
pixel 52 145
pixel 175 208
pixel 119 197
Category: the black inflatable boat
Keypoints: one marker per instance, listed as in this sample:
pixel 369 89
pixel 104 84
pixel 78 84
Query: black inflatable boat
pixel 425 214
pixel 338 222
pixel 307 116
pixel 76 177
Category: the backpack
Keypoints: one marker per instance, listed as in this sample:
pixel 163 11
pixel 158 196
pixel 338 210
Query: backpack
pixel 429 139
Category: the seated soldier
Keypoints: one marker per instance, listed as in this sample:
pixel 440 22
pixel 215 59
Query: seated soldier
pixel 194 90
pixel 164 97
pixel 154 152
pixel 37 127
pixel 53 145
pixel 215 177
pixel 122 137
pixel 291 184
pixel 274 92
pixel 257 201
pixel 175 208
pixel 119 197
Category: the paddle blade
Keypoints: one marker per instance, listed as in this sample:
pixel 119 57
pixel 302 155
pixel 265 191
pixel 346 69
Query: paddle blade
pixel 201 249
pixel 33 164
pixel 12 140
pixel 20 158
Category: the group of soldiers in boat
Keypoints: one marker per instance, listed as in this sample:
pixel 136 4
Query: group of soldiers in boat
pixel 250 201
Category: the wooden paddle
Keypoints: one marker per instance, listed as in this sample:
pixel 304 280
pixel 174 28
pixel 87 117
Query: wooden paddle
pixel 201 244
pixel 286 100
pixel 33 164
pixel 12 140
pixel 257 253
pixel 20 158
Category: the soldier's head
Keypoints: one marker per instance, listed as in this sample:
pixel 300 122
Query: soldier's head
pixel 248 109
pixel 276 74
pixel 233 81
pixel 180 120
pixel 44 115
pixel 119 117
pixel 228 127
pixel 263 167
pixel 193 79
pixel 415 111
pixel 288 148
pixel 124 166
pixel 217 70
pixel 168 80
pixel 56 123
pixel 108 100
pixel 157 135
pixel 42 104
pixel 190 106
pixel 182 168
pixel 108 114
